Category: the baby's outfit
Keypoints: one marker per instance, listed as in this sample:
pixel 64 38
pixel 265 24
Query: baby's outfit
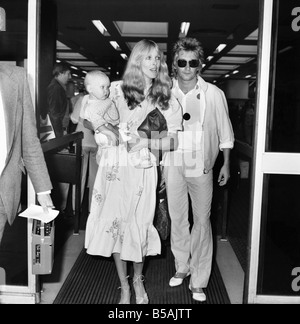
pixel 99 113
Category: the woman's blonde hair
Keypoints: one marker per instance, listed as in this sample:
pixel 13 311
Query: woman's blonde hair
pixel 134 82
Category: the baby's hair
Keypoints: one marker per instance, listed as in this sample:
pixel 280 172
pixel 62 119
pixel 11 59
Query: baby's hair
pixel 92 75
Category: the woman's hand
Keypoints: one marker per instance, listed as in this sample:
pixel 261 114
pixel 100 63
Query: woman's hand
pixel 137 143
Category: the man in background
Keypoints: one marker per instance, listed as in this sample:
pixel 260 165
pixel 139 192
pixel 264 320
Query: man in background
pixel 58 103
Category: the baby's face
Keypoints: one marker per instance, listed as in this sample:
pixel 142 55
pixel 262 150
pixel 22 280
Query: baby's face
pixel 100 88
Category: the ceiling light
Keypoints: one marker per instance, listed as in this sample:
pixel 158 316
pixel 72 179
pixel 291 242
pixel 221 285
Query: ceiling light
pixel 142 29
pixel 220 48
pixel 82 63
pixel 235 59
pixel 124 56
pixel 62 47
pixel 227 76
pixel 2 19
pixel 244 49
pixel 285 49
pixel 224 67
pixel 102 29
pixel 235 72
pixel 70 56
pixel 248 76
pixel 74 67
pixel 253 36
pixel 210 58
pixel 115 45
pixel 184 29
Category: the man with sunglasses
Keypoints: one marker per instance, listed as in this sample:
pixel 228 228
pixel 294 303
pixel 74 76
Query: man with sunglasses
pixel 188 170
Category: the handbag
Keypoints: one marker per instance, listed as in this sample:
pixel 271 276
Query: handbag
pixel 154 125
pixel 162 220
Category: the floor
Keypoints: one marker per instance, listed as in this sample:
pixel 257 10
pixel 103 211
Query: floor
pixel 71 245
pixel 232 272
pixel 68 247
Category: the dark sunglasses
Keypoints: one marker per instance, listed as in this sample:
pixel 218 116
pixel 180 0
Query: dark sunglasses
pixel 192 63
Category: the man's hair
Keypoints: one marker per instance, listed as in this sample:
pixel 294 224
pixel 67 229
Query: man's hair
pixel 187 44
pixel 60 68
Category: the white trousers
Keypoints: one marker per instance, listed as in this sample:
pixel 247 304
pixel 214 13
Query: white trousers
pixel 192 249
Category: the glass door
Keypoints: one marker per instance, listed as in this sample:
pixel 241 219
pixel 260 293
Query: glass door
pixel 274 263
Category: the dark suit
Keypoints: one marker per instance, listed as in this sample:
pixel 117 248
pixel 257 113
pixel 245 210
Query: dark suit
pixel 57 106
pixel 23 146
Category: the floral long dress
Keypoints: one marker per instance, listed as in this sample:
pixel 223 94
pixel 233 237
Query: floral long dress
pixel 124 197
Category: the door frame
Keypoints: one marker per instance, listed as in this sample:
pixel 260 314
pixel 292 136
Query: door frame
pixel 264 163
pixel 28 294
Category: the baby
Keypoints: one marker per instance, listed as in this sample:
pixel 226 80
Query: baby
pixel 102 113
pixel 99 110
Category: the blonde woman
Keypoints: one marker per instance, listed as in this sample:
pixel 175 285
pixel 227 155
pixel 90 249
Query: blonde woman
pixel 124 197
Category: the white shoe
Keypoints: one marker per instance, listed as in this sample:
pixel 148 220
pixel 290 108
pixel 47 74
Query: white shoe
pixel 178 279
pixel 198 294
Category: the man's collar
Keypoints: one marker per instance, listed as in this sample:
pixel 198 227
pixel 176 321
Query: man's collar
pixel 200 83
